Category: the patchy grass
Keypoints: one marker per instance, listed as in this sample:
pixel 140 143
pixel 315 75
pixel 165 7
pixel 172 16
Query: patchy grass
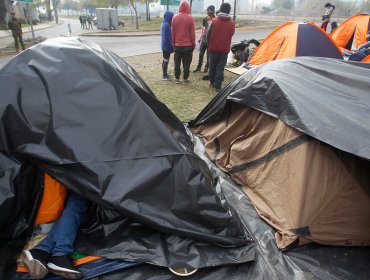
pixel 4 27
pixel 186 101
pixel 154 24
pixel 10 49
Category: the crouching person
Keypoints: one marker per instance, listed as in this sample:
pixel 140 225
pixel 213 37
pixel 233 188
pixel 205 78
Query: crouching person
pixel 54 253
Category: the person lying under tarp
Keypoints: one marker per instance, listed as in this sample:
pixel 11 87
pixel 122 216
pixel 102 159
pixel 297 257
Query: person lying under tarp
pixel 151 200
pixel 67 210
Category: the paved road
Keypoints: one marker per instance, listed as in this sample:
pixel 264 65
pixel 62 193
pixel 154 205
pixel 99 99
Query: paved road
pixel 123 46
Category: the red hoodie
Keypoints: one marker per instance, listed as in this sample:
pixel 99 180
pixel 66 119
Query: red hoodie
pixel 220 33
pixel 183 27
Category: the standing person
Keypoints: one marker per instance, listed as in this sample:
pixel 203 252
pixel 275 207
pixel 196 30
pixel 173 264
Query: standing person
pixel 69 29
pixel 203 38
pixel 16 28
pixel 111 26
pixel 219 37
pixel 54 253
pixel 81 21
pixel 89 22
pixel 166 43
pixel 183 37
pixel 329 8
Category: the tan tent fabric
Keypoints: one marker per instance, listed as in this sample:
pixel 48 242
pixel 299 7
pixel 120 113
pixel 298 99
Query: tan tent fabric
pixel 307 190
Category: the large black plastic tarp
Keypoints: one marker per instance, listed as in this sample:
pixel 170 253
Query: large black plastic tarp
pixel 325 98
pixel 81 114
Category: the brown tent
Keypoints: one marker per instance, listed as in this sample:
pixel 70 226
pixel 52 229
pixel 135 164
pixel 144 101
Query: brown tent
pixel 308 190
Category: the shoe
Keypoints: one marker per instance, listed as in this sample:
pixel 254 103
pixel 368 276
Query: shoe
pixel 167 78
pixel 186 81
pixel 205 70
pixel 211 85
pixel 182 271
pixel 196 70
pixel 217 89
pixel 177 81
pixel 64 266
pixel 36 262
pixel 205 78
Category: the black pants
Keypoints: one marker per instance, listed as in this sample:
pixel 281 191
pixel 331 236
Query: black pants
pixel 202 50
pixel 166 58
pixel 217 62
pixel 184 55
pixel 16 38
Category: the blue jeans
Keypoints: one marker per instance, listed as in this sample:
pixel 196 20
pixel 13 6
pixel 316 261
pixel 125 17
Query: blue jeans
pixel 217 63
pixel 60 239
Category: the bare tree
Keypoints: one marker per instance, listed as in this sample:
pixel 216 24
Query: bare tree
pixel 133 5
pixel 3 10
pixel 55 7
pixel 147 6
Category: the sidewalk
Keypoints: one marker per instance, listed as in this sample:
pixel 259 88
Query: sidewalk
pixel 27 28
pixel 109 33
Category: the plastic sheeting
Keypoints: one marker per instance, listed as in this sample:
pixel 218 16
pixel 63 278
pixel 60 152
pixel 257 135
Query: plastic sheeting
pixel 325 98
pixel 81 114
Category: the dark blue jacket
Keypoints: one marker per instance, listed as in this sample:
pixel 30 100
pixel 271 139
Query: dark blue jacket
pixel 166 44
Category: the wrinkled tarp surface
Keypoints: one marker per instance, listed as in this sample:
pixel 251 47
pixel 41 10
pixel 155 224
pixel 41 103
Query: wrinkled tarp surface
pixel 81 114
pixel 300 92
pixel 333 118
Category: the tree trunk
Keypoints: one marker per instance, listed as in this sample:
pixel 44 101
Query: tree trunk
pixel 133 5
pixel 3 10
pixel 56 16
pixel 137 20
pixel 147 10
pixel 55 7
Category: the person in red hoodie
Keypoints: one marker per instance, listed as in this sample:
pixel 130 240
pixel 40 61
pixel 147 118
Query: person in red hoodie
pixel 219 37
pixel 183 38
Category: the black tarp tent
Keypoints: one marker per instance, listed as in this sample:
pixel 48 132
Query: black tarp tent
pixel 326 99
pixel 81 114
pixel 129 237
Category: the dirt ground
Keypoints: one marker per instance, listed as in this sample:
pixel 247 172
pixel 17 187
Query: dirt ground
pixel 186 101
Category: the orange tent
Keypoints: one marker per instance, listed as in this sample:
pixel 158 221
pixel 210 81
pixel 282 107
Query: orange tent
pixel 295 39
pixel 366 59
pixel 352 32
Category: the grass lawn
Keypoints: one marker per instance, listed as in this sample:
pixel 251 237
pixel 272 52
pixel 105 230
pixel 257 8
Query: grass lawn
pixel 186 101
pixel 4 27
pixel 155 24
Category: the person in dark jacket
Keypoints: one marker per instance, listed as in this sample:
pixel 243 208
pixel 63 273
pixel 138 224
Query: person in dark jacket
pixel 183 37
pixel 203 38
pixel 219 37
pixel 54 253
pixel 16 28
pixel 166 44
